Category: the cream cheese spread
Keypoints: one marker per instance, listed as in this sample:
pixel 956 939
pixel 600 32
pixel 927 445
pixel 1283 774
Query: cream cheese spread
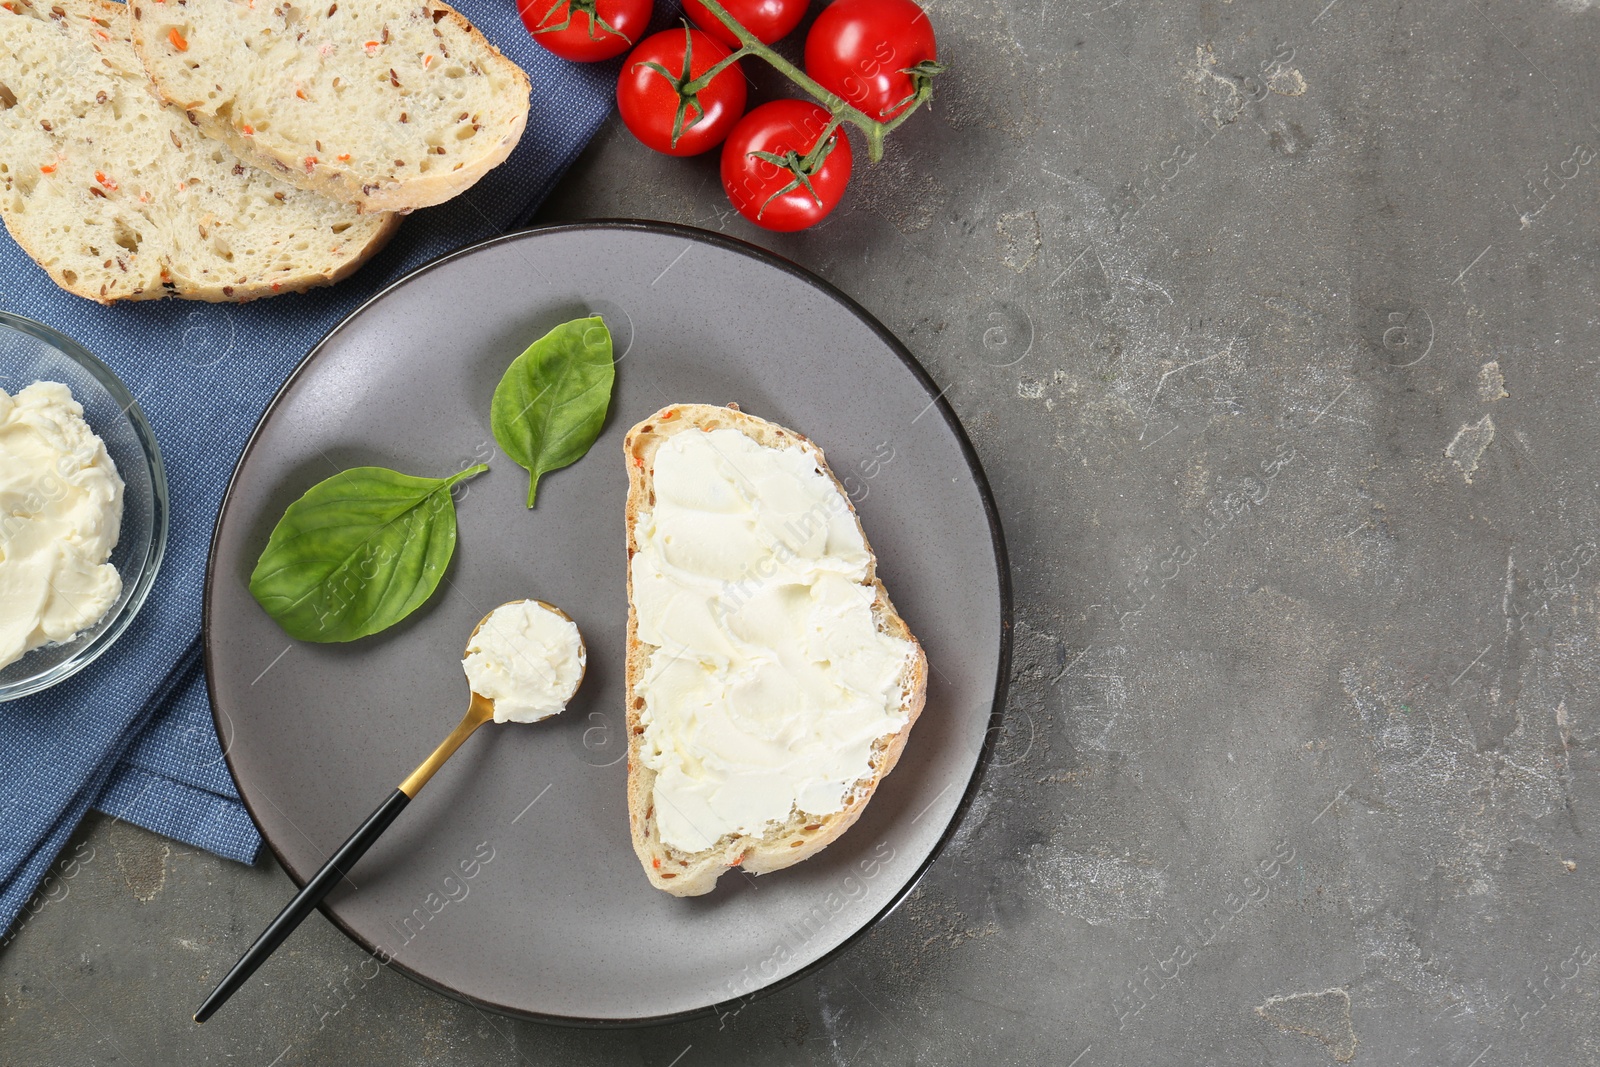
pixel 528 658
pixel 60 517
pixel 769 681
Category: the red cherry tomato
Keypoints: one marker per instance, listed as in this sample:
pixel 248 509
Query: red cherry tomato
pixel 864 49
pixel 769 20
pixel 653 105
pixel 568 27
pixel 771 195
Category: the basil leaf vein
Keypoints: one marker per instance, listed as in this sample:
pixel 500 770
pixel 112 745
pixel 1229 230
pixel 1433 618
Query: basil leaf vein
pixel 552 400
pixel 357 553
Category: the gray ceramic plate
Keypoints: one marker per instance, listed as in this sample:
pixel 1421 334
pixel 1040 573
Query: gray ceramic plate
pixel 559 923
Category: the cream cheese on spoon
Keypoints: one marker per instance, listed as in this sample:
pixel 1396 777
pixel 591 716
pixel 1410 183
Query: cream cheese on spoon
pixel 60 517
pixel 528 658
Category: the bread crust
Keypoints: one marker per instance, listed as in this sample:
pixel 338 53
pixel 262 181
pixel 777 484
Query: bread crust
pixel 237 293
pixel 176 283
pixel 369 192
pixel 693 874
pixel 213 293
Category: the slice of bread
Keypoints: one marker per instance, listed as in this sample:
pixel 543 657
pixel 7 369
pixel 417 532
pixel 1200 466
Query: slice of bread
pixel 119 198
pixel 388 104
pixel 802 835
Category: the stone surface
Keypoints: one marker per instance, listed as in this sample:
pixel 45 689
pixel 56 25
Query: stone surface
pixel 1324 1016
pixel 1295 708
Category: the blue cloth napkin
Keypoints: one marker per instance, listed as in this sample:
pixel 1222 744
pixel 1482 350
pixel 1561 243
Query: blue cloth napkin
pixel 133 733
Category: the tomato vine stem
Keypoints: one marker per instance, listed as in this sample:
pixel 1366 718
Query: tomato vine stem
pixel 820 150
pixel 586 7
pixel 688 90
pixel 873 129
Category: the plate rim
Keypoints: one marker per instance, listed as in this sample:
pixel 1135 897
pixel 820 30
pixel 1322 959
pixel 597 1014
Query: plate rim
pixel 997 541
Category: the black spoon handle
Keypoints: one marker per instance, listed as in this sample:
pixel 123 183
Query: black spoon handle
pixel 321 883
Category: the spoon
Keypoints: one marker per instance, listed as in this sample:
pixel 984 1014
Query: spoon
pixel 479 711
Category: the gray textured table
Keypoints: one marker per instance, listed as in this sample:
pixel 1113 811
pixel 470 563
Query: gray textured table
pixel 1275 327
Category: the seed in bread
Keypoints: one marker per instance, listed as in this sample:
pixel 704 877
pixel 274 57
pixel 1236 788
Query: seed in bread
pixel 118 197
pixel 771 684
pixel 388 104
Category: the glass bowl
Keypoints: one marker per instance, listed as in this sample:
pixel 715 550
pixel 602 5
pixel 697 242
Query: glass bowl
pixel 30 352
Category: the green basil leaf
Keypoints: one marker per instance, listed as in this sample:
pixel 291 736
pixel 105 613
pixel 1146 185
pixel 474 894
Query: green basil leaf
pixel 358 553
pixel 549 406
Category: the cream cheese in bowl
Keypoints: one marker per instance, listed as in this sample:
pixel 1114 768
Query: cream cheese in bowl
pixel 83 507
pixel 60 517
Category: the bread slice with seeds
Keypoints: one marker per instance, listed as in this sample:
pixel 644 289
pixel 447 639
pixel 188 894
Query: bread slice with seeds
pixel 388 104
pixel 774 843
pixel 118 197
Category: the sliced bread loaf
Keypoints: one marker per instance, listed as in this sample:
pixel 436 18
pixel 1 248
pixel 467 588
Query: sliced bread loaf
pixel 388 104
pixel 771 685
pixel 119 198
